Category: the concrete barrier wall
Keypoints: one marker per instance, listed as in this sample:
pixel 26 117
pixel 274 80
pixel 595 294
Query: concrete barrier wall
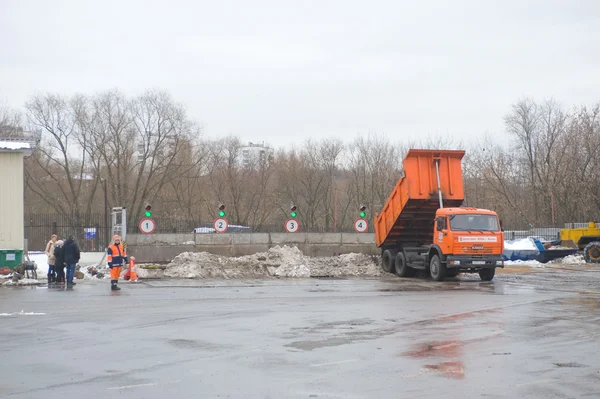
pixel 162 248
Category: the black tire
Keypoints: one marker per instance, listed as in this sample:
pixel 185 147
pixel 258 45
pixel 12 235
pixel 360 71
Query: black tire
pixel 487 274
pixel 452 272
pixel 591 252
pixel 387 260
pixel 401 269
pixel 437 269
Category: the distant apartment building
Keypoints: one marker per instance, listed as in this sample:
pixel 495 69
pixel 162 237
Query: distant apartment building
pixel 147 144
pixel 255 154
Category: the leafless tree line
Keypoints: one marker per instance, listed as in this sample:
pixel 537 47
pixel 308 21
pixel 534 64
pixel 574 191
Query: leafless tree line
pixel 146 148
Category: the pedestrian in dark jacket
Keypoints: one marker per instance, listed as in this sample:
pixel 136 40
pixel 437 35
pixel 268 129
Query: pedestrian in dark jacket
pixel 72 255
pixel 59 259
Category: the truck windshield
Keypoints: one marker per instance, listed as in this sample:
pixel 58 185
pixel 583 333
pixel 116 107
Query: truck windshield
pixel 474 223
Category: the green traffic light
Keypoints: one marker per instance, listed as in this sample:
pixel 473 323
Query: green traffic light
pixel 363 214
pixel 294 214
pixel 222 213
pixel 148 214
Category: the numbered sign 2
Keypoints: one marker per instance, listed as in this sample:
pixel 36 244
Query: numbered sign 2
pixel 361 225
pixel 147 226
pixel 291 225
pixel 221 225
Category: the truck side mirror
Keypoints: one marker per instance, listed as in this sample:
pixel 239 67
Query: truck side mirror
pixel 501 228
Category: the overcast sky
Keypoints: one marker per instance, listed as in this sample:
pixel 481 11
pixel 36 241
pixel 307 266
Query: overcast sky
pixel 281 71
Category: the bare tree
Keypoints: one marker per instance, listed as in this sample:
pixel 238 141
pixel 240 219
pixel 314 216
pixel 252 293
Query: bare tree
pixel 58 171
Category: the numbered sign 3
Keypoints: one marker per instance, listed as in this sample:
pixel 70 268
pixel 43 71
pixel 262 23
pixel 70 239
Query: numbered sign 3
pixel 361 225
pixel 147 226
pixel 221 225
pixel 291 225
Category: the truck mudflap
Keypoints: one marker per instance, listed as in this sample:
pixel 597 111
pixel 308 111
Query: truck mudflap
pixel 472 262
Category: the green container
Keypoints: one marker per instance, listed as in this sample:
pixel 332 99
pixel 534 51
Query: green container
pixel 11 258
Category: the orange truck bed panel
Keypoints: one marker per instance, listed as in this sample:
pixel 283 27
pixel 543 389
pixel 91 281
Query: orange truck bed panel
pixel 407 216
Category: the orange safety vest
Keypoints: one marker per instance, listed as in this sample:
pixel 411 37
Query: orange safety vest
pixel 115 255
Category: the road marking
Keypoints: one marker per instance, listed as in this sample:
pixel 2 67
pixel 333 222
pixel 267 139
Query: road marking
pixel 533 383
pixel 151 384
pixel 132 386
pixel 332 363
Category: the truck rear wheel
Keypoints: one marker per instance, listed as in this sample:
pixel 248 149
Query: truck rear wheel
pixel 402 269
pixel 591 252
pixel 437 269
pixel 487 274
pixel 387 260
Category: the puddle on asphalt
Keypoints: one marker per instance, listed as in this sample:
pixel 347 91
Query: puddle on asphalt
pixel 570 365
pixel 454 370
pixel 450 349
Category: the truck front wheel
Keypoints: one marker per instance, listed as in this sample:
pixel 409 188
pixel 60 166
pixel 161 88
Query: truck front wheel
pixel 388 259
pixel 487 274
pixel 437 269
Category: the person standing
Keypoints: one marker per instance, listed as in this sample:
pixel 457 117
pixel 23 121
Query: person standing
pixel 115 257
pixel 72 256
pixel 51 259
pixel 59 261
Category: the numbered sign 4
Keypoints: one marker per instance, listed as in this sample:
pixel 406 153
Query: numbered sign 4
pixel 361 225
pixel 221 225
pixel 147 226
pixel 291 225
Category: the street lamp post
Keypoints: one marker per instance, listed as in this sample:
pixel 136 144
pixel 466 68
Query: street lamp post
pixel 106 233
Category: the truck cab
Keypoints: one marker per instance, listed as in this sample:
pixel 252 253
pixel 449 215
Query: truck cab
pixel 468 240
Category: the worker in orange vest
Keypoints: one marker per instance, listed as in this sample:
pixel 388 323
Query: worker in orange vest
pixel 115 258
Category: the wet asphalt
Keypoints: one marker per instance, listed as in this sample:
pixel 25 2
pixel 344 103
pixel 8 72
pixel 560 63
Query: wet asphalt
pixel 527 334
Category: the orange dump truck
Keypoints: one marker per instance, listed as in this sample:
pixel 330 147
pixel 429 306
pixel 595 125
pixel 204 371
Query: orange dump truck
pixel 422 225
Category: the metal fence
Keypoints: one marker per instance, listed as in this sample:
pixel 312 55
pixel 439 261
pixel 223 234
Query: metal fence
pixel 89 230
pixel 546 233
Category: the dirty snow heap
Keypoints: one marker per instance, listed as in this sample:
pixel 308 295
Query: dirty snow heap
pixel 278 262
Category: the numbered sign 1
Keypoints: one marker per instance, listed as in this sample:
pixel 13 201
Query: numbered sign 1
pixel 221 225
pixel 147 226
pixel 361 225
pixel 291 225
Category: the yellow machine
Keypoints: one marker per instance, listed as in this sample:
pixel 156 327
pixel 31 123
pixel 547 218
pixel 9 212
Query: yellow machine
pixel 587 239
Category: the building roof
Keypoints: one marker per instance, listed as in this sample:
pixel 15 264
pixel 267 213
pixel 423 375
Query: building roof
pixel 16 145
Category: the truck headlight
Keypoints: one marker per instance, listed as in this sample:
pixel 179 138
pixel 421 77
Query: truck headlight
pixel 455 262
pixel 499 262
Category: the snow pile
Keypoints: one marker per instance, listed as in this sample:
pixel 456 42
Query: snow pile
pixel 278 261
pixel 205 265
pixel 572 260
pixel 526 244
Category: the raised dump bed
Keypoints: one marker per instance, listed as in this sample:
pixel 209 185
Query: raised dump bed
pixel 408 215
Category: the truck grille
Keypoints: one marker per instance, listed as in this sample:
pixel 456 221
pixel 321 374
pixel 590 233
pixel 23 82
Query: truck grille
pixel 477 250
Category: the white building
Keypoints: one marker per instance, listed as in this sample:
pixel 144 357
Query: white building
pixel 255 154
pixel 12 223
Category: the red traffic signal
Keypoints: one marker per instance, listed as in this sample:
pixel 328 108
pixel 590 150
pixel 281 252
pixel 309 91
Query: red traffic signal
pixel 293 208
pixel 148 207
pixel 221 207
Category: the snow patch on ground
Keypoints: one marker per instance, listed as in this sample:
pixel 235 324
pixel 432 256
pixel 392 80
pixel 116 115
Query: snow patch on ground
pixel 571 260
pixel 278 261
pixel 21 313
pixel 533 263
pixel 25 281
pixel 567 260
